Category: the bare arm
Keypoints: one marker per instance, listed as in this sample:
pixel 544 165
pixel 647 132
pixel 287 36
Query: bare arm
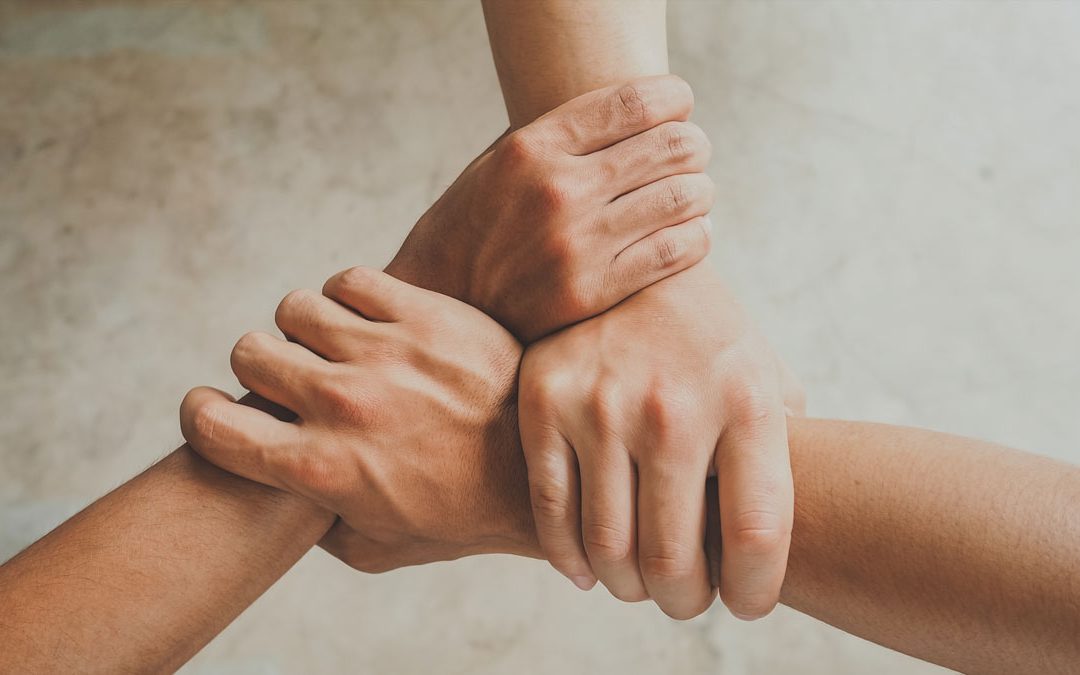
pixel 952 550
pixel 680 349
pixel 174 555
pixel 549 51
pixel 144 577
pixel 956 551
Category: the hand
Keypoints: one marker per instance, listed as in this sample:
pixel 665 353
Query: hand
pixel 565 217
pixel 407 423
pixel 643 403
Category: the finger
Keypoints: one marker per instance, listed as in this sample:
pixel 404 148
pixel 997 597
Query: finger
pixel 671 531
pixel 236 437
pixel 374 294
pixel 322 325
pixel 657 256
pixel 668 149
pixel 554 491
pixel 668 201
pixel 609 519
pixel 756 509
pixel 279 371
pixel 598 119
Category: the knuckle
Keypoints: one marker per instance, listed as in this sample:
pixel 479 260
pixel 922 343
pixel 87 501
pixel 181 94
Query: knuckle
pixel 677 142
pixel 249 344
pixel 606 543
pixel 541 390
pixel 206 424
pixel 667 408
pixel 550 502
pixel 758 532
pixel 298 306
pixel 519 148
pixel 602 404
pixel 555 193
pixel 752 407
pixel 667 561
pixel 339 399
pixel 668 251
pixel 357 277
pixel 679 195
pixel 631 104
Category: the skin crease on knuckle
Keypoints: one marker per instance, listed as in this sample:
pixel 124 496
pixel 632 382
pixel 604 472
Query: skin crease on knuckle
pixel 555 193
pixel 668 408
pixel 679 145
pixel 297 308
pixel 680 194
pixel 669 251
pixel 758 532
pixel 666 561
pixel 632 105
pixel 359 277
pixel 751 404
pixel 606 542
pixel 247 347
pixel 550 501
pixel 519 151
pixel 206 420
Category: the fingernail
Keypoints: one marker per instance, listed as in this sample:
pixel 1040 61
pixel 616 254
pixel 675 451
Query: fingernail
pixel 583 582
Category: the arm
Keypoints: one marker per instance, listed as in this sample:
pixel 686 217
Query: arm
pixel 956 551
pixel 951 550
pixel 549 51
pixel 609 505
pixel 144 577
pixel 175 554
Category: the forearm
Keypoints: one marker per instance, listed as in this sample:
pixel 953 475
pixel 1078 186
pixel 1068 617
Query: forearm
pixel 549 51
pixel 144 577
pixel 952 550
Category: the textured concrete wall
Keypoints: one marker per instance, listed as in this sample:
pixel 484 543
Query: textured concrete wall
pixel 898 205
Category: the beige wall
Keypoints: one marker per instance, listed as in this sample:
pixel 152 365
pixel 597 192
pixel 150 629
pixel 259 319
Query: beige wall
pixel 898 204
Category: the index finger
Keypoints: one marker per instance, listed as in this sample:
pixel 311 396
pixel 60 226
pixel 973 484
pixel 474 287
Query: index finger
pixel 757 505
pixel 602 118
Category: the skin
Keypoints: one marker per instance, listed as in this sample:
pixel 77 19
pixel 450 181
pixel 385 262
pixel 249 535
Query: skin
pixel 144 577
pixel 927 563
pixel 562 219
pixel 951 550
pixel 948 549
pixel 128 563
pixel 621 413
